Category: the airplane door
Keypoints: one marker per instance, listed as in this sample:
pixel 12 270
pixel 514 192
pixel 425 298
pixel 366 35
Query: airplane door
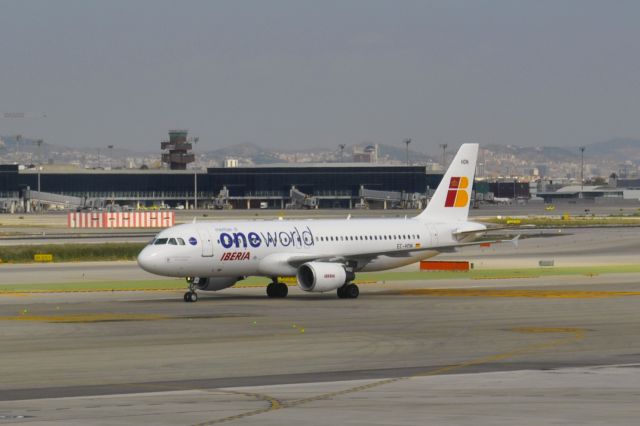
pixel 207 244
pixel 433 230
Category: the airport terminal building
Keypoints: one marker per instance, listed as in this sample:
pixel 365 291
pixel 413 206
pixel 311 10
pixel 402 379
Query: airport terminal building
pixel 343 185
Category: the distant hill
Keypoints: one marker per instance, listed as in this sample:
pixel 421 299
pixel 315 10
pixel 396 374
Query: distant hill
pixel 399 153
pixel 618 149
pixel 540 154
pixel 256 153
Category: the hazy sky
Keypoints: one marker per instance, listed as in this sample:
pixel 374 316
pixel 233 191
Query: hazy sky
pixel 297 73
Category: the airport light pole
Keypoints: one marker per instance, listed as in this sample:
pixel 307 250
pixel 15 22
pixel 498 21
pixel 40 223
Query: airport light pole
pixel 582 148
pixel 18 139
pixel 195 174
pixel 444 155
pixel 110 156
pixel 407 142
pixel 39 143
pixel 342 147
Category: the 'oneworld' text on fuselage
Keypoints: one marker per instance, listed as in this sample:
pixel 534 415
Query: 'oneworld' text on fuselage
pixel 292 238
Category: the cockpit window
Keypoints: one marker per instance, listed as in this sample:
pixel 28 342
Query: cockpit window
pixel 160 241
pixel 173 241
pixel 180 241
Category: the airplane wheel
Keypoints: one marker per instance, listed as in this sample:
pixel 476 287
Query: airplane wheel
pixel 271 290
pixel 283 290
pixel 193 297
pixel 341 292
pixel 352 291
pixel 186 297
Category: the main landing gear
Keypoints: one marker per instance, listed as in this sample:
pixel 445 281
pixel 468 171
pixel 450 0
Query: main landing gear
pixel 191 295
pixel 276 289
pixel 348 291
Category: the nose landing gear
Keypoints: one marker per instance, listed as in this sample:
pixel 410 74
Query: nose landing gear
pixel 191 295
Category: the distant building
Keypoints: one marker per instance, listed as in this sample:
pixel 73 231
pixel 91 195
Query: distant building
pixel 617 189
pixel 368 154
pixel 230 162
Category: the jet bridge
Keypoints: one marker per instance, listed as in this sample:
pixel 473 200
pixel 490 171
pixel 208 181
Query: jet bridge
pixel 67 202
pixel 300 200
pixel 392 199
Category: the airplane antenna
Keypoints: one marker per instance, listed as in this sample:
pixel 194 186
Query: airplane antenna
pixel 349 216
pixel 194 220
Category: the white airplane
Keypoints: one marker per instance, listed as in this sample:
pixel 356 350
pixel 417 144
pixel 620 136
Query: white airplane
pixel 323 255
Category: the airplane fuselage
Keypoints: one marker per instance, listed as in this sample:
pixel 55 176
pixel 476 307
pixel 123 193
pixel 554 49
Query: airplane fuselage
pixel 219 249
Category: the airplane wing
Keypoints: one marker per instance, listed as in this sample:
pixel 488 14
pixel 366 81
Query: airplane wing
pixel 295 259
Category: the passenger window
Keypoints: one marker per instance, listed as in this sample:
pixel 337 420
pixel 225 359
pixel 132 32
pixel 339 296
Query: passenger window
pixel 180 241
pixel 160 242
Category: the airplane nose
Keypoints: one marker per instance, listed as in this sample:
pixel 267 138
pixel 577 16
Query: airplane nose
pixel 148 260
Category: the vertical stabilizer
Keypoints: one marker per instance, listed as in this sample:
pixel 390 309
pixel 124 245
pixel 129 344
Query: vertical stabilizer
pixel 452 197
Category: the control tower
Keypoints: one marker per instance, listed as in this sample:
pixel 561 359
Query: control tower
pixel 178 155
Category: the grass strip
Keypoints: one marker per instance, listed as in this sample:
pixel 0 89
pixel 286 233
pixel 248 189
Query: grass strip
pixel 179 284
pixel 71 252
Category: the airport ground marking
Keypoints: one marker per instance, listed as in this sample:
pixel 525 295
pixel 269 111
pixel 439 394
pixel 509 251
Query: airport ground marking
pixel 571 335
pixel 274 404
pixel 525 293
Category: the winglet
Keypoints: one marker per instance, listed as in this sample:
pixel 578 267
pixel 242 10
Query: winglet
pixel 514 241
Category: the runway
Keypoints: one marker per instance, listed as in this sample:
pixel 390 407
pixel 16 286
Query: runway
pixel 401 353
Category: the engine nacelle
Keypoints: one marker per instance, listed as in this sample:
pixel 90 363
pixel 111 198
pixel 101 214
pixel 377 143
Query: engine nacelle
pixel 321 276
pixel 215 283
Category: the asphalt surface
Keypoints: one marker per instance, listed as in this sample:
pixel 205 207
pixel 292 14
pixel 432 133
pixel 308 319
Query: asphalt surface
pixel 140 358
pixel 544 350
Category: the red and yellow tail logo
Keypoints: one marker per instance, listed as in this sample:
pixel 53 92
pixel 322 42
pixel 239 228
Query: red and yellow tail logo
pixel 458 194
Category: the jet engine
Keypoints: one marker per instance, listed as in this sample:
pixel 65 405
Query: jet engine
pixel 322 276
pixel 215 283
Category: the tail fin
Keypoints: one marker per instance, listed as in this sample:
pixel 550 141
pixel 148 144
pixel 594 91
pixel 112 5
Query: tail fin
pixel 452 197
